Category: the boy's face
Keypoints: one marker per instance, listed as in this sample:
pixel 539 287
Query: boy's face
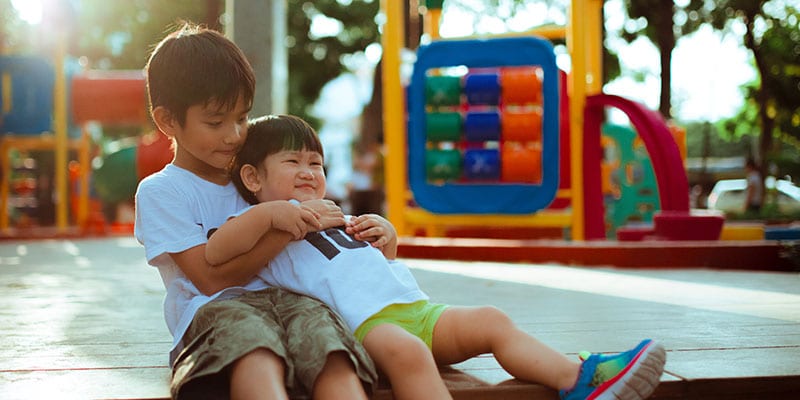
pixel 210 138
pixel 292 174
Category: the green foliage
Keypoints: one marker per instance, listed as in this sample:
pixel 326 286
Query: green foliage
pixel 772 34
pixel 315 61
pixel 718 143
pixel 781 53
pixel 120 34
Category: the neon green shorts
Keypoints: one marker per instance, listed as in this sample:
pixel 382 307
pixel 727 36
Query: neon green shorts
pixel 417 318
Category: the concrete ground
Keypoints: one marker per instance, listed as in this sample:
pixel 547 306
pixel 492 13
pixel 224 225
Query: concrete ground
pixel 83 319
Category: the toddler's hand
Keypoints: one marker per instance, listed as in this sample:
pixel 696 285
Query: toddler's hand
pixel 372 228
pixel 330 215
pixel 297 220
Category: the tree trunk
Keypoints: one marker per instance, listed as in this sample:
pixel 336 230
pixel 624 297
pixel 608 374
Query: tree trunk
pixel 666 43
pixel 762 95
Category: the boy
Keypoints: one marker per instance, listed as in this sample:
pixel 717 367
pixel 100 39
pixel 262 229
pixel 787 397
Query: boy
pixel 234 335
pixel 281 161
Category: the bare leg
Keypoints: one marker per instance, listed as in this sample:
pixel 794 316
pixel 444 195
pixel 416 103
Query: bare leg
pixel 258 375
pixel 338 380
pixel 465 332
pixel 407 362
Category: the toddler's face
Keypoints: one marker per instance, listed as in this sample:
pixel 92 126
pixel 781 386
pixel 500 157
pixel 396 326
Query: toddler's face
pixel 293 174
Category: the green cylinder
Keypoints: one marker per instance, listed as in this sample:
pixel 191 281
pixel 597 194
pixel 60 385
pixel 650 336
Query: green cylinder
pixel 443 90
pixel 443 165
pixel 434 4
pixel 443 127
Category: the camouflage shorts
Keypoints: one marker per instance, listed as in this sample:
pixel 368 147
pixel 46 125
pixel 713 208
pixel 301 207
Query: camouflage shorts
pixel 301 330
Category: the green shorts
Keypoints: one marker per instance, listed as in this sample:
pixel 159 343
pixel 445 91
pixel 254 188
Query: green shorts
pixel 299 329
pixel 418 318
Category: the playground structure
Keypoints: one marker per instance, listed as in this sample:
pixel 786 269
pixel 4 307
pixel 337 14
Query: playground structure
pixel 482 173
pixel 497 137
pixel 45 108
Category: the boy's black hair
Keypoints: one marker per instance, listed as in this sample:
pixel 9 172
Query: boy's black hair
pixel 195 65
pixel 268 135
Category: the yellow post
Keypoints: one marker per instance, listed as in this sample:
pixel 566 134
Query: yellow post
pixel 576 87
pixel 60 131
pixel 584 40
pixel 594 45
pixel 432 19
pixel 394 127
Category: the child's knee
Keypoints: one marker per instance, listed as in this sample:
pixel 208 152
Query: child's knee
pixel 409 354
pixel 261 359
pixel 494 320
pixel 257 369
pixel 338 362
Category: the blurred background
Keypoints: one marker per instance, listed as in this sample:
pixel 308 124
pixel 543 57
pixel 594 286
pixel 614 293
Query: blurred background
pixel 726 71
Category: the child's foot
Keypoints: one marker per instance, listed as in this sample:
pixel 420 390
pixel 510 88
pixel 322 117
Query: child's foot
pixel 633 374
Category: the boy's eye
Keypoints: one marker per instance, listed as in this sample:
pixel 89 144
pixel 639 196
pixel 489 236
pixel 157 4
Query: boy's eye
pixel 214 123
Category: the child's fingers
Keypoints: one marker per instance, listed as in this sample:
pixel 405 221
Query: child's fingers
pixel 362 223
pixel 371 234
pixel 310 220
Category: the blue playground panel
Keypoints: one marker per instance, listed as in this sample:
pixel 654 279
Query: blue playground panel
pixel 782 233
pixel 26 85
pixel 479 191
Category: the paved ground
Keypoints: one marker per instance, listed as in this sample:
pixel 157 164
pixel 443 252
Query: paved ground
pixel 82 318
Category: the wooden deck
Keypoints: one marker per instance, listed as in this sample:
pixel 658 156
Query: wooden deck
pixel 82 319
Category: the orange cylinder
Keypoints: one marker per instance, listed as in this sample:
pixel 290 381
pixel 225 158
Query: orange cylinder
pixel 522 126
pixel 521 162
pixel 521 85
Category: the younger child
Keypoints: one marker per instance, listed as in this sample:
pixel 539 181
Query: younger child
pixel 234 335
pixel 404 333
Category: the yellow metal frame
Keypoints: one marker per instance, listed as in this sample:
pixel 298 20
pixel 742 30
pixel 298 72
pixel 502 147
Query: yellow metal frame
pixel 46 142
pixel 57 141
pixel 583 34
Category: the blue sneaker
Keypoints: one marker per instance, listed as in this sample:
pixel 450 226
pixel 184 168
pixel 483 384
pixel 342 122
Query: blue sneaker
pixel 629 375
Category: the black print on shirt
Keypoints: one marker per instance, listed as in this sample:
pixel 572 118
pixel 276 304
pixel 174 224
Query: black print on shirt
pixel 338 235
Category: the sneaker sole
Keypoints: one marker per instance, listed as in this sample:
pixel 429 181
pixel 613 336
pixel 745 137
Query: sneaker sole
pixel 641 378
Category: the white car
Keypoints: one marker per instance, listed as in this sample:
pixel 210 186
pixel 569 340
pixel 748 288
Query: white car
pixel 728 195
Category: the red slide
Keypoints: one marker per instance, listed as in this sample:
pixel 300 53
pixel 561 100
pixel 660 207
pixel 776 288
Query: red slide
pixel 667 163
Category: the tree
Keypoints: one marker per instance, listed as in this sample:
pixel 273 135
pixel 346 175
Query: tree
pixel 313 61
pixel 771 34
pixel 662 30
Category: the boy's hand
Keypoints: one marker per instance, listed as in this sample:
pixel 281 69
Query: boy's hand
pixel 297 220
pixel 330 215
pixel 372 228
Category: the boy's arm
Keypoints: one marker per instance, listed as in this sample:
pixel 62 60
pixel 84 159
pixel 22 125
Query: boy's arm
pixel 239 235
pixel 374 229
pixel 237 271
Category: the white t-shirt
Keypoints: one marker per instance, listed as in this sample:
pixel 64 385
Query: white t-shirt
pixel 350 276
pixel 175 210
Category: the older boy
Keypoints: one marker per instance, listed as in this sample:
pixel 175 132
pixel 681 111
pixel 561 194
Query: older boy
pixel 234 335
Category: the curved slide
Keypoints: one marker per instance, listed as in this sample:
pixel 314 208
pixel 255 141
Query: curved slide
pixel 664 154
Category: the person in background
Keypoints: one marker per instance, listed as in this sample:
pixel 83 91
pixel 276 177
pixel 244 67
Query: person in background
pixel 754 193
